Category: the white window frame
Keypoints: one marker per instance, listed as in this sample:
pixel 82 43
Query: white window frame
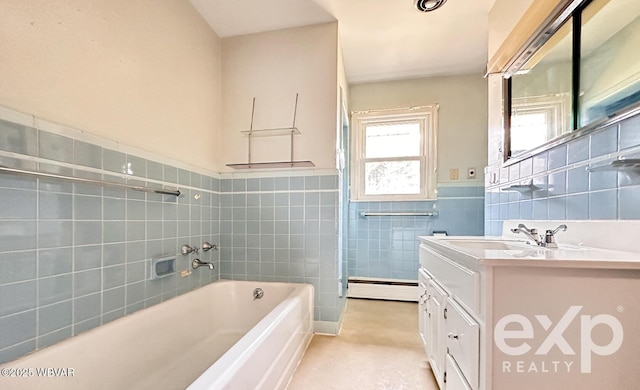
pixel 427 117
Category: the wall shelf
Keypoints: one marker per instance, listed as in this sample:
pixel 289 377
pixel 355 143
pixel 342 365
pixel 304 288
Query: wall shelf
pixel 273 132
pixel 274 164
pixel 522 188
pixel 619 164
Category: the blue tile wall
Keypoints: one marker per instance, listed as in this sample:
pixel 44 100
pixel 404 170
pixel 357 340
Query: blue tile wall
pixel 387 246
pixel 565 189
pixel 283 229
pixel 75 256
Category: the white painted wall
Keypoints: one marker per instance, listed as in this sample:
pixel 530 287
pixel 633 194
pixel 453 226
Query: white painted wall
pixel 273 67
pixel 462 128
pixel 503 17
pixel 343 87
pixel 143 73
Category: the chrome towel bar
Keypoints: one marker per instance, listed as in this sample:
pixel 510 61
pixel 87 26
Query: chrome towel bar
pixel 399 214
pixel 27 172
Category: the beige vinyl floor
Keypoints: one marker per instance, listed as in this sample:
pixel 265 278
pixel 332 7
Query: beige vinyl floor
pixel 378 349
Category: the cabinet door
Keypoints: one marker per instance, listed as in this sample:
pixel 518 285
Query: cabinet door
pixel 423 298
pixel 463 341
pixel 436 340
pixel 455 378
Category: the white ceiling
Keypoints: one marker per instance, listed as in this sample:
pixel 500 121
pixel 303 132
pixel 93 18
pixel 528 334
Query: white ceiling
pixel 381 39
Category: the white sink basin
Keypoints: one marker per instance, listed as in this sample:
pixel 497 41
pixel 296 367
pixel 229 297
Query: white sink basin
pixel 505 245
pixel 501 245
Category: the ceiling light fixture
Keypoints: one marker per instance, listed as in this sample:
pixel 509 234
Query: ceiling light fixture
pixel 429 5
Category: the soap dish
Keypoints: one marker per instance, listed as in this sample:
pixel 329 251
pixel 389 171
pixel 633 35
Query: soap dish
pixel 162 266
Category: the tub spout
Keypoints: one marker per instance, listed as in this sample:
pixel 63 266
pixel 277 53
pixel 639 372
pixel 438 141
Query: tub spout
pixel 196 263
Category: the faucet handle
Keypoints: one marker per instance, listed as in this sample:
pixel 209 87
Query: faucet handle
pixel 524 227
pixel 549 237
pixel 206 246
pixel 186 249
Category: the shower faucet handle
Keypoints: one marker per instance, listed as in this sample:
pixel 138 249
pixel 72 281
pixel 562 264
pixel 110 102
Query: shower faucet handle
pixel 186 249
pixel 207 247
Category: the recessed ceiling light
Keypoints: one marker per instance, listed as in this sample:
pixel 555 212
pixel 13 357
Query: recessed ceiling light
pixel 429 5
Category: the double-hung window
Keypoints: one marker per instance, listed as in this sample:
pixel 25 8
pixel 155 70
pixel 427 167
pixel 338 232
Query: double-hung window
pixel 395 154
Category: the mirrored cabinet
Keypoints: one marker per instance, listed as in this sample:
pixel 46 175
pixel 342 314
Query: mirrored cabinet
pixel 580 70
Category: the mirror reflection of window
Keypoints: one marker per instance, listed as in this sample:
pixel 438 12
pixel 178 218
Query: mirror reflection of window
pixel 610 58
pixel 541 94
pixel 528 128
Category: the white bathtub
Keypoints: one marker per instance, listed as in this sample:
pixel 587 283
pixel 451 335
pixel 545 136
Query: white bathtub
pixel 216 337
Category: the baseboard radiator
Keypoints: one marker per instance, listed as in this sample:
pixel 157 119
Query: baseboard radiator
pixel 388 289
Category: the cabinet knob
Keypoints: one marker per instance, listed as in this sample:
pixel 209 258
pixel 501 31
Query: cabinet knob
pixel 453 336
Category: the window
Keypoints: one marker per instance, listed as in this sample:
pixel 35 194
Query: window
pixel 395 154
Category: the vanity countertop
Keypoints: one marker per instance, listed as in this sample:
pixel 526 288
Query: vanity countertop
pixel 507 251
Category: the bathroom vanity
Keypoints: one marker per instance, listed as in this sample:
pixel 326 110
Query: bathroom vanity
pixel 498 313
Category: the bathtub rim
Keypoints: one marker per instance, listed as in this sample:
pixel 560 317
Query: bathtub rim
pixel 227 365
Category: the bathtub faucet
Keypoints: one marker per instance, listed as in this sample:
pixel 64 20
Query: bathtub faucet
pixel 196 263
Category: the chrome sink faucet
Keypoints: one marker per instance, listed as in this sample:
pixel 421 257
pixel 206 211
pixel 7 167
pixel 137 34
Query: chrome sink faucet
pixel 550 235
pixel 547 241
pixel 531 233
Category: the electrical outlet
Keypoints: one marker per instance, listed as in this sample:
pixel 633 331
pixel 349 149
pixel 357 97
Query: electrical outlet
pixel 453 174
pixel 471 173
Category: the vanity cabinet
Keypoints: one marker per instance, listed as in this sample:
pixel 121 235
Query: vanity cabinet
pixel 516 316
pixel 452 333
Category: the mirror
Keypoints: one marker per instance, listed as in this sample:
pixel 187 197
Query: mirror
pixel 584 67
pixel 541 94
pixel 610 62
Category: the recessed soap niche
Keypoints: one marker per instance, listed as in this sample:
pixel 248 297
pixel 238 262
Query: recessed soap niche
pixel 162 266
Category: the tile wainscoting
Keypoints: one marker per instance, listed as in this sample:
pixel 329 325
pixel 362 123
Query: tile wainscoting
pixel 386 247
pixel 562 187
pixel 284 228
pixel 75 256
